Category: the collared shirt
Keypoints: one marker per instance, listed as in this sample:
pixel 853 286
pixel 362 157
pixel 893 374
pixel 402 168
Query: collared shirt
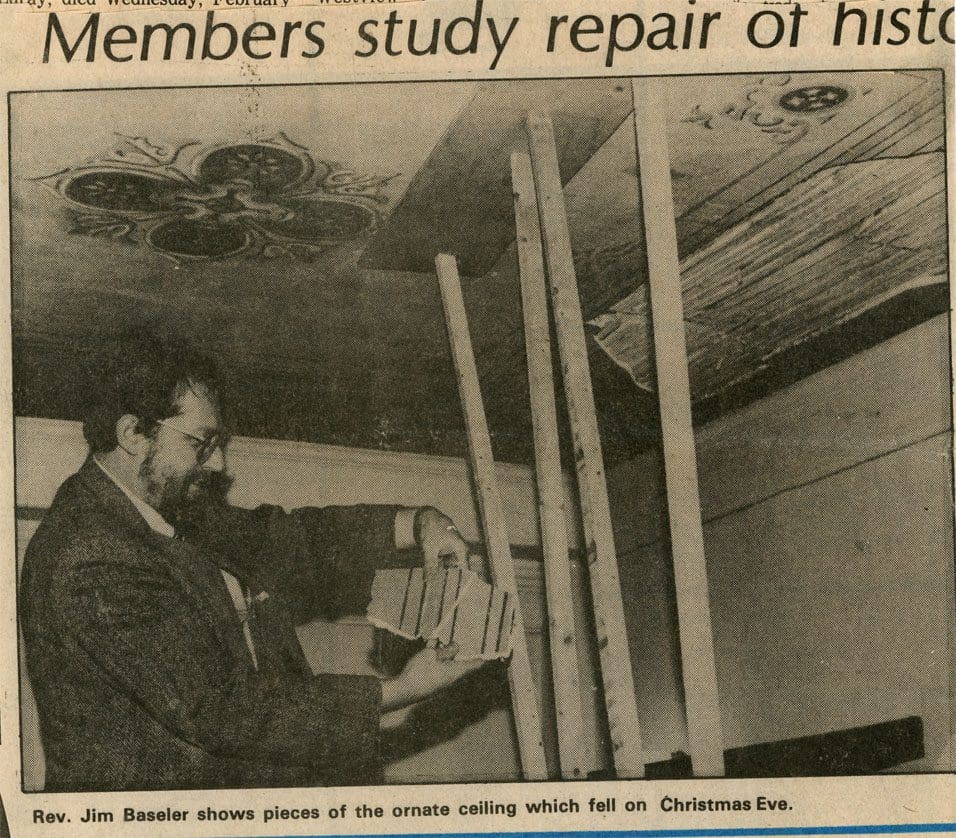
pixel 157 523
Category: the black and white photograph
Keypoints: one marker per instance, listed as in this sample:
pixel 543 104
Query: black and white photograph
pixel 482 431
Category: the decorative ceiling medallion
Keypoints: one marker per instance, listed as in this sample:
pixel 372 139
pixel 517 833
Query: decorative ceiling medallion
pixel 820 97
pixel 780 107
pixel 261 198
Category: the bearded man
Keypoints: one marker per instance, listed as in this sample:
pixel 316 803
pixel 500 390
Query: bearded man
pixel 159 620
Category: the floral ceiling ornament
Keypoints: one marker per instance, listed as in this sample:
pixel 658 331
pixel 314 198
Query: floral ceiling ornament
pixel 259 198
pixel 784 108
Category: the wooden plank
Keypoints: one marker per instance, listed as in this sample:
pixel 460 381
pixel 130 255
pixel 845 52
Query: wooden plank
pixel 705 738
pixel 615 654
pixel 551 510
pixel 524 698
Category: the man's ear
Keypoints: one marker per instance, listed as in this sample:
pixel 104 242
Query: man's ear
pixel 128 435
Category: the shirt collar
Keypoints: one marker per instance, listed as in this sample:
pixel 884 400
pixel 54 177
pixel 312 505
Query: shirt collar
pixel 157 523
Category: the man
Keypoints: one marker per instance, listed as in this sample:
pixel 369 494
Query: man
pixel 158 620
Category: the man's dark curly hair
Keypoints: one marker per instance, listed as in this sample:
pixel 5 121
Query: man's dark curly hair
pixel 139 374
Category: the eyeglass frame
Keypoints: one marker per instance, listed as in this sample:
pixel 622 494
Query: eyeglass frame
pixel 207 444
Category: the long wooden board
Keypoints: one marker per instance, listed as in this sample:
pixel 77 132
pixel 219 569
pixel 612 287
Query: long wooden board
pixel 680 454
pixel 524 696
pixel 620 699
pixel 551 508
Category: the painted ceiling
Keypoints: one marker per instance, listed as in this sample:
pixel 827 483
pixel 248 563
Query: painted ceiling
pixel 291 232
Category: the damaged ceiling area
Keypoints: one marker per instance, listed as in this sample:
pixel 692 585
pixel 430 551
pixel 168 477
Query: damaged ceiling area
pixel 292 235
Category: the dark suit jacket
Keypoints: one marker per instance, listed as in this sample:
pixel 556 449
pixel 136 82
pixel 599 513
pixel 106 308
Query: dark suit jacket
pixel 141 673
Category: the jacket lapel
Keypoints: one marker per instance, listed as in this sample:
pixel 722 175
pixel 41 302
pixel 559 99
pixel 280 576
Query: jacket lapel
pixel 204 581
pixel 200 578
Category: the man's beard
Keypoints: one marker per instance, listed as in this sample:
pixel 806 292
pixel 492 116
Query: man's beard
pixel 184 500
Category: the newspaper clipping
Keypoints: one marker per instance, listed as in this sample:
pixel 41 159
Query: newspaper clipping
pixel 477 417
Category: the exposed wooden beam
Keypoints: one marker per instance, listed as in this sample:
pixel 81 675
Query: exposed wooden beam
pixel 524 696
pixel 550 486
pixel 620 699
pixel 704 730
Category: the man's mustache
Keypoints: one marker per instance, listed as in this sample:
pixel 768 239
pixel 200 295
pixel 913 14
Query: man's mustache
pixel 199 498
pixel 214 486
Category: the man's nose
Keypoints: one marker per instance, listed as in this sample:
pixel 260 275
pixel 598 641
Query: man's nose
pixel 217 462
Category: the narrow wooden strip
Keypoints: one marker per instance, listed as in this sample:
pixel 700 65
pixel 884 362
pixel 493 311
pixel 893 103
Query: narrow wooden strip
pixel 416 593
pixel 704 731
pixel 421 604
pixel 484 634
pixel 551 510
pixel 927 123
pixel 455 612
pixel 937 143
pixel 904 123
pixel 620 699
pixel 524 697
pixel 408 585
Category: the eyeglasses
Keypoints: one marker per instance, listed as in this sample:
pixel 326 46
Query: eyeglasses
pixel 207 444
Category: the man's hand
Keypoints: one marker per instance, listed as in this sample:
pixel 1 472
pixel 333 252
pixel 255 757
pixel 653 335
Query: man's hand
pixel 424 674
pixel 439 540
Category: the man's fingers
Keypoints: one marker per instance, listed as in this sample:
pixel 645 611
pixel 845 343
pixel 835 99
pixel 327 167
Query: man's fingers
pixel 455 553
pixel 441 542
pixel 431 558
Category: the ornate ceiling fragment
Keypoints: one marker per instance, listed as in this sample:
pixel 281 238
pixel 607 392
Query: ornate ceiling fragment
pixel 266 197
